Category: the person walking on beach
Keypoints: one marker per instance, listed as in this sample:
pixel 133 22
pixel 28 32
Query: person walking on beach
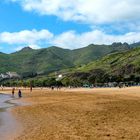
pixel 13 92
pixel 31 88
pixel 19 93
pixel 52 87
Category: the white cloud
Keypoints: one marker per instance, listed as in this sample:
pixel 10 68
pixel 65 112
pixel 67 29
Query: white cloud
pixel 25 37
pixel 70 39
pixel 89 11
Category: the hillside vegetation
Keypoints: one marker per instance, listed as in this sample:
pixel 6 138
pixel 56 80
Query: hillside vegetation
pixel 90 65
pixel 47 60
pixel 116 67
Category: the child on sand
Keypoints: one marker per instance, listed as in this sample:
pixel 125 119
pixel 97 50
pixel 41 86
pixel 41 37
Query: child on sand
pixel 19 93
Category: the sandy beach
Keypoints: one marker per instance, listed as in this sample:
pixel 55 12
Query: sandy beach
pixel 78 114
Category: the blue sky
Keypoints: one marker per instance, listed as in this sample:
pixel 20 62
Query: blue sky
pixel 13 19
pixel 68 24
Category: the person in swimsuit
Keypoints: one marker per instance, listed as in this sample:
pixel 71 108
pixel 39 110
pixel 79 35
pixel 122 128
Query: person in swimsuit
pixel 13 92
pixel 19 93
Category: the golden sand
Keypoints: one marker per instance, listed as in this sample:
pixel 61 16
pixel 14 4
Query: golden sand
pixel 80 114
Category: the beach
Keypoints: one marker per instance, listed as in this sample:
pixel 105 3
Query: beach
pixel 78 114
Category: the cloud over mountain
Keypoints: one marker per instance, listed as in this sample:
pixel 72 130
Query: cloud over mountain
pixel 70 39
pixel 25 36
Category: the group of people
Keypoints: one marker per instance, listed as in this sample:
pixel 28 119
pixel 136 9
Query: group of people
pixel 57 87
pixel 19 93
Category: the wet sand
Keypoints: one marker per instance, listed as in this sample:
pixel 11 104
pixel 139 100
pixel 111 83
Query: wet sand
pixel 80 114
pixel 9 128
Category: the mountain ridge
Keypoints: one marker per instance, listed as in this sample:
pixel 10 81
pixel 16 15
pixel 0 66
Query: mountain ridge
pixel 47 60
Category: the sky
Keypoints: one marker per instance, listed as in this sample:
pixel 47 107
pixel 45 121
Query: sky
pixel 69 24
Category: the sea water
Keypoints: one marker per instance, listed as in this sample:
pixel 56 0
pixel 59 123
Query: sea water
pixel 7 121
pixel 3 101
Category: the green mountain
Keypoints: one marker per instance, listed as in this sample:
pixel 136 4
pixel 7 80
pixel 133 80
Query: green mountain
pixel 47 60
pixel 94 52
pixel 117 63
pixel 118 66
